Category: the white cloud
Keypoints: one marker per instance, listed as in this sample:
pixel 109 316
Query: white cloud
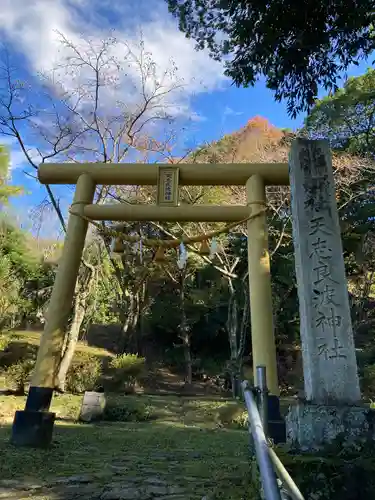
pixel 32 28
pixel 228 111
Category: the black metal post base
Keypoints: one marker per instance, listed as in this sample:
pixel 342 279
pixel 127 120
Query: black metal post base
pixel 276 423
pixel 39 399
pixel 33 427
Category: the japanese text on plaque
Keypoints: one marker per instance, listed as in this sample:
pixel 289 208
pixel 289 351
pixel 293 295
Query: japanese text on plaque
pixel 168 181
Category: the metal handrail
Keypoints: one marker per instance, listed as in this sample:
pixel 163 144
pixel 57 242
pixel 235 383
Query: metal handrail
pixel 267 474
pixel 270 466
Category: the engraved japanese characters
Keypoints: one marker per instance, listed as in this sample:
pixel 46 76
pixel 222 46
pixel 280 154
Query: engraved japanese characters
pixel 330 368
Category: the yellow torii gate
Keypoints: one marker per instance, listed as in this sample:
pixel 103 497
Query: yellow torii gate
pixel 34 425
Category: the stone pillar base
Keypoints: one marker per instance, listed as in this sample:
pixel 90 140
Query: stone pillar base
pixel 32 428
pixel 310 426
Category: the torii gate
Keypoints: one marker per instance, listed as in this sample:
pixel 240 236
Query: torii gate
pixel 34 426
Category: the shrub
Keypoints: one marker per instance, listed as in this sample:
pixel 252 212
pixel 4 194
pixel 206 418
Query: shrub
pixel 125 370
pixel 17 375
pixel 368 381
pixel 128 364
pixel 233 415
pixel 241 420
pixel 127 412
pixel 4 342
pixel 16 352
pixel 84 373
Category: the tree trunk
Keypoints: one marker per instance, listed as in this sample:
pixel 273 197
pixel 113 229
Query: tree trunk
pixel 84 283
pixel 232 325
pixel 188 360
pixel 232 329
pixel 143 302
pixel 128 319
pixel 184 332
pixel 71 343
pixel 132 318
pixel 138 324
pixel 134 325
pixel 236 333
pixel 243 328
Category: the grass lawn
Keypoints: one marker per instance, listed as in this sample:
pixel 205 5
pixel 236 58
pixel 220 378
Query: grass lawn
pixel 183 442
pixel 88 449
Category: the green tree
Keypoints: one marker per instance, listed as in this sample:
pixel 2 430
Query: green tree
pixel 9 292
pixel 18 265
pixel 6 191
pixel 347 117
pixel 13 245
pixel 295 47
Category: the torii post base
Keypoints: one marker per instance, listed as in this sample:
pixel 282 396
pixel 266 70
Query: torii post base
pixel 33 427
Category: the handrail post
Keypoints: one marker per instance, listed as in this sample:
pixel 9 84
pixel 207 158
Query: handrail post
pixel 263 396
pixel 270 467
pixel 267 473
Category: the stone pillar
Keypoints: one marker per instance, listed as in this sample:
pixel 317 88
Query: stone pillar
pixel 329 360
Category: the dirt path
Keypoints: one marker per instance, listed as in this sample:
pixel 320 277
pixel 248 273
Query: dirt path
pixel 147 485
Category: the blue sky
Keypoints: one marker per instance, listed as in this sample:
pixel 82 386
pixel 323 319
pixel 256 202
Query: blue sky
pixel 205 109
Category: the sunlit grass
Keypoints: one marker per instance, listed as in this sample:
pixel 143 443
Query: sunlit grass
pixel 33 338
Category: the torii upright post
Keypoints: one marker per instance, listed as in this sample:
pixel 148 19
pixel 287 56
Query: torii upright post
pixel 262 328
pixel 34 425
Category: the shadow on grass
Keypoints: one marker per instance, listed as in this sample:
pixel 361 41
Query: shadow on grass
pixel 93 452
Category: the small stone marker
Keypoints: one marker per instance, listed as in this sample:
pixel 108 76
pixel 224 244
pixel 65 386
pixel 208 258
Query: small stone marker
pixel 93 405
pixel 329 360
